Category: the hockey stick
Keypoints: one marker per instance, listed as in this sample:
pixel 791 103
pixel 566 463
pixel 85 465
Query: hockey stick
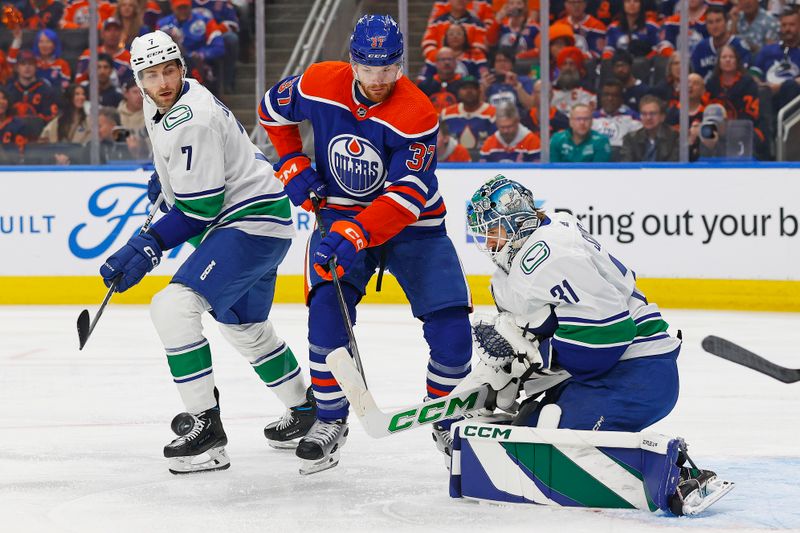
pixel 84 327
pixel 736 354
pixel 337 284
pixel 380 424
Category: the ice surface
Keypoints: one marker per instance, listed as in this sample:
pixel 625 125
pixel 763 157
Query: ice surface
pixel 81 435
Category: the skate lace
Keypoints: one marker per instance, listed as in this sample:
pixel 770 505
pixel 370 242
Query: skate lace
pixel 286 420
pixel 444 434
pixel 199 424
pixel 323 432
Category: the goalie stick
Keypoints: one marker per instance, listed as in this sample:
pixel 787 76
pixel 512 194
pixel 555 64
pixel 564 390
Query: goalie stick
pixel 380 424
pixel 736 354
pixel 85 328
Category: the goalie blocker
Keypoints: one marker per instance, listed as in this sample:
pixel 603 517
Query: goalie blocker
pixel 572 468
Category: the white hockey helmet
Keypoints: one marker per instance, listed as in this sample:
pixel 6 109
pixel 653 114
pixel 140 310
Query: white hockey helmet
pixel 153 49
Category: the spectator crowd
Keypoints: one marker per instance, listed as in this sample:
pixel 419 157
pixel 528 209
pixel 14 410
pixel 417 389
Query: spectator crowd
pixel 614 76
pixel 44 72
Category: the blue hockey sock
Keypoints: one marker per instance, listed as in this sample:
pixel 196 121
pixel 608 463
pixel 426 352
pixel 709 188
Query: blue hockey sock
pixel 326 332
pixel 449 337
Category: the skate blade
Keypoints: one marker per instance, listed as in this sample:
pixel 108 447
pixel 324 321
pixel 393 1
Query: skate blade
pixel 320 465
pixel 213 459
pixel 701 500
pixel 283 444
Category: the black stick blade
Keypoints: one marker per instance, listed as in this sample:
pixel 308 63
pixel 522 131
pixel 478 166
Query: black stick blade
pixel 736 354
pixel 83 328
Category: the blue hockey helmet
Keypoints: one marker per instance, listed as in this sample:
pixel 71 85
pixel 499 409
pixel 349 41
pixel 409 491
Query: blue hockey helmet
pixel 376 41
pixel 502 203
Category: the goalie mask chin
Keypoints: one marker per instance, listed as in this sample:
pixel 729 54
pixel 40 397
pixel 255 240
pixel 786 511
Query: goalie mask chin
pixel 506 254
pixel 501 215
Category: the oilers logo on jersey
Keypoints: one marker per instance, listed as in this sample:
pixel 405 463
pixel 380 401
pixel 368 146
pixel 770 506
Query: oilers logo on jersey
pixel 356 164
pixel 198 28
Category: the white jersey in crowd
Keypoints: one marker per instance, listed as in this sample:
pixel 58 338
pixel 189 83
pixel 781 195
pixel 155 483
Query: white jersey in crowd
pixel 211 171
pixel 615 126
pixel 562 269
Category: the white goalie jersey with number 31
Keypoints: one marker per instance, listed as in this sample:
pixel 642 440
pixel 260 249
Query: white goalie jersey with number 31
pixel 211 171
pixel 562 272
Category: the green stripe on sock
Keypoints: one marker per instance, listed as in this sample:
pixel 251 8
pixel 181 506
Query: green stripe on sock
pixel 190 363
pixel 277 367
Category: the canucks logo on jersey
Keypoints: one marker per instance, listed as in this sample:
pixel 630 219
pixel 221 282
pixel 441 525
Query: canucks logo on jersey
pixel 356 164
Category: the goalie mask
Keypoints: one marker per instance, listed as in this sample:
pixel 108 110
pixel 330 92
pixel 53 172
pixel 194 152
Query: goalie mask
pixel 502 215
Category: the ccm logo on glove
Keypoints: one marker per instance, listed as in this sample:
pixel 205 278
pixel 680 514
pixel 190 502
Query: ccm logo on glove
pixel 355 237
pixel 154 258
pixel 299 178
pixel 345 240
pixel 287 173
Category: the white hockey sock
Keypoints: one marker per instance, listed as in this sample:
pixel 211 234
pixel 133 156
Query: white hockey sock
pixel 176 313
pixel 271 358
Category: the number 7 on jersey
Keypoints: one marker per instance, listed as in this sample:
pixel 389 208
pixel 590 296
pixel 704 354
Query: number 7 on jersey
pixel 188 151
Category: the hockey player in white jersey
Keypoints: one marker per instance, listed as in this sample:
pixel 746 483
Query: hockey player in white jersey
pixel 568 306
pixel 223 198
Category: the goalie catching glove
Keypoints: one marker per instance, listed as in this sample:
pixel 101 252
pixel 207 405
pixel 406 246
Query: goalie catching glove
pixel 499 341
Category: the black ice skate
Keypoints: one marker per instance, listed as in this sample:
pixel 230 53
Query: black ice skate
pixel 320 448
pixel 293 425
pixel 697 490
pixel 202 449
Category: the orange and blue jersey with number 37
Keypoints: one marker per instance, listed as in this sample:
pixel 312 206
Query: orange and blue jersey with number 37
pixel 379 160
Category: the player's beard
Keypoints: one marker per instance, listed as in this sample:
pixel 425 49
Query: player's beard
pixel 163 103
pixel 377 92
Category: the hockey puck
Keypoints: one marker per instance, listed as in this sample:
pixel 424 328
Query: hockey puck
pixel 182 424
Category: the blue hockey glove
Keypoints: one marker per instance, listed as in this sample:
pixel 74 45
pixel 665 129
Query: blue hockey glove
pixel 138 257
pixel 345 239
pixel 298 178
pixel 153 190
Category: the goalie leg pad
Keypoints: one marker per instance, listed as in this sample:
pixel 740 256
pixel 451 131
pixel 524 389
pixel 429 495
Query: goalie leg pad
pixel 176 312
pixel 326 332
pixel 562 467
pixel 270 357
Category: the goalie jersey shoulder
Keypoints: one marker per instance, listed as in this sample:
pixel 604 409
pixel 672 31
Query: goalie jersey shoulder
pixel 554 241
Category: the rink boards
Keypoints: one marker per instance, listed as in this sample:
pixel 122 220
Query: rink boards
pixel 697 236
